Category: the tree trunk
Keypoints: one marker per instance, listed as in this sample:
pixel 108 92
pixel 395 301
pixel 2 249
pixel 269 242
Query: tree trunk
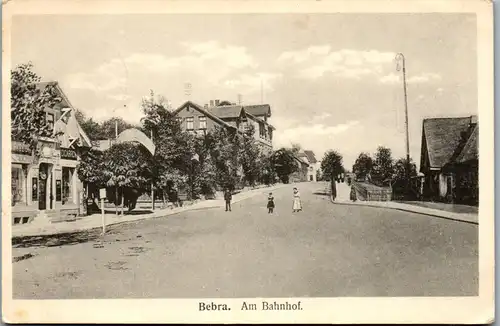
pixel 122 201
pixel 116 200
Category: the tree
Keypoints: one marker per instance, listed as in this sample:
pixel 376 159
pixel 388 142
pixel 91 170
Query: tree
pixel 296 148
pixel 127 166
pixel 109 127
pixel 250 156
pixel 90 127
pixel 28 104
pixel 400 168
pixel 225 152
pixel 383 165
pixel 90 168
pixel 331 165
pixel 363 166
pixel 284 164
pixel 222 103
pixel 174 147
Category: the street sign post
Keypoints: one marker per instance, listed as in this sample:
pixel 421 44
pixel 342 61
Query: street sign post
pixel 102 194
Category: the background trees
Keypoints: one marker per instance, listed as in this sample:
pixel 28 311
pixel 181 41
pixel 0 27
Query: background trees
pixel 284 164
pixel 383 165
pixel 331 165
pixel 363 166
pixel 28 102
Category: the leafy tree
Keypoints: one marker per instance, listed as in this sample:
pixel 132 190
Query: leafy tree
pixel 383 165
pixel 175 148
pixel 92 128
pixel 225 145
pixel 222 103
pixel 267 173
pixel 127 166
pixel 28 102
pixel 400 169
pixel 331 165
pixel 250 157
pixel 91 166
pixel 296 148
pixel 108 127
pixel 284 164
pixel 363 166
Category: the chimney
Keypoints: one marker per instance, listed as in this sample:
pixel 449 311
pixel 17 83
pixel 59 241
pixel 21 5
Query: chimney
pixel 217 102
pixel 211 102
pixel 473 119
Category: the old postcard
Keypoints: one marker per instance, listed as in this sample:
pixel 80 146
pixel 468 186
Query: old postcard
pixel 248 161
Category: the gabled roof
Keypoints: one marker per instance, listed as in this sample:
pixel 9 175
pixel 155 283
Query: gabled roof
pixel 258 110
pixel 470 150
pixel 259 120
pixel 226 111
pixel 442 136
pixel 310 156
pixel 65 103
pixel 202 110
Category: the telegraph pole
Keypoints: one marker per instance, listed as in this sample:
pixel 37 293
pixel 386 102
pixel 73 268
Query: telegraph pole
pixel 400 59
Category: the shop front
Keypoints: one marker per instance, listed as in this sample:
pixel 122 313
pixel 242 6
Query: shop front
pixel 45 185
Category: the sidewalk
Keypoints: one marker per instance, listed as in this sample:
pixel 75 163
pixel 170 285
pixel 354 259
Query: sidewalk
pixel 343 191
pixel 95 221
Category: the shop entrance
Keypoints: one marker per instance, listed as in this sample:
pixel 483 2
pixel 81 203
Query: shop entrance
pixel 43 172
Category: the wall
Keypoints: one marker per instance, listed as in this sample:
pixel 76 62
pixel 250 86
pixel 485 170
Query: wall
pixel 190 112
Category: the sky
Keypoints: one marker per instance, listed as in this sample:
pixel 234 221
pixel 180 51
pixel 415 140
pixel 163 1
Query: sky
pixel 331 79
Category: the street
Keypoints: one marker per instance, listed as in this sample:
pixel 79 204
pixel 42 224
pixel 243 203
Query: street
pixel 327 250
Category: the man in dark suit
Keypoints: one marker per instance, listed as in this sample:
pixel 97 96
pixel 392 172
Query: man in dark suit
pixel 228 196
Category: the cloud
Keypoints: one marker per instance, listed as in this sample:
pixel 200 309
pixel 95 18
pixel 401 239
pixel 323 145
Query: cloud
pixel 119 97
pixel 211 60
pixel 424 78
pixel 252 82
pixel 416 79
pixel 315 61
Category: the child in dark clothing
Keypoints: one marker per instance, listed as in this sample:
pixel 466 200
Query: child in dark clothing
pixel 270 203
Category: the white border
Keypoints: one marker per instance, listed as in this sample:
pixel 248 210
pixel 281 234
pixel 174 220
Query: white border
pixel 447 310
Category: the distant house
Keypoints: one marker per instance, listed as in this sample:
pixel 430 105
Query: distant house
pixel 200 119
pixel 302 169
pixel 449 159
pixel 313 164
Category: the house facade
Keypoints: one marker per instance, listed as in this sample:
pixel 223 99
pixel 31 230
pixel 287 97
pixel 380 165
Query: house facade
pixel 200 119
pixel 449 159
pixel 44 183
pixel 301 174
pixel 312 164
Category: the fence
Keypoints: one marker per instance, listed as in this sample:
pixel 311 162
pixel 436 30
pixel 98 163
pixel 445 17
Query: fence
pixel 369 192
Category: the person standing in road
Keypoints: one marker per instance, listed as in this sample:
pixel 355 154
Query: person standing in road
pixel 297 204
pixel 228 196
pixel 270 203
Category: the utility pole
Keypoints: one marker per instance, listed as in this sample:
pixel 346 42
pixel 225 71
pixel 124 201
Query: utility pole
pixel 400 59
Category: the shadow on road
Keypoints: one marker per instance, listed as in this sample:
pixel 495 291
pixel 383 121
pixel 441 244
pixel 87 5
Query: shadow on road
pixel 54 240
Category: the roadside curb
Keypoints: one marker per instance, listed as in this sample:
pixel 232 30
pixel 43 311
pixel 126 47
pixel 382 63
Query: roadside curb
pixel 159 214
pixel 451 218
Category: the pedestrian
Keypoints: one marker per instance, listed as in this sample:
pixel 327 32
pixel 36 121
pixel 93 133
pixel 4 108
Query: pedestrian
pixel 270 203
pixel 228 197
pixel 297 205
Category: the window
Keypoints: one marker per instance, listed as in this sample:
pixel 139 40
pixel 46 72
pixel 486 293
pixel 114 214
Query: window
pixel 67 183
pixel 190 123
pixel 17 185
pixel 203 122
pixel 50 120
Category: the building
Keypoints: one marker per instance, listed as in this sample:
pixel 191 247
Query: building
pixel 198 119
pixel 449 159
pixel 44 183
pixel 313 165
pixel 301 175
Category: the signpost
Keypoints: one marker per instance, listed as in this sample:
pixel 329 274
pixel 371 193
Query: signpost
pixel 102 194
